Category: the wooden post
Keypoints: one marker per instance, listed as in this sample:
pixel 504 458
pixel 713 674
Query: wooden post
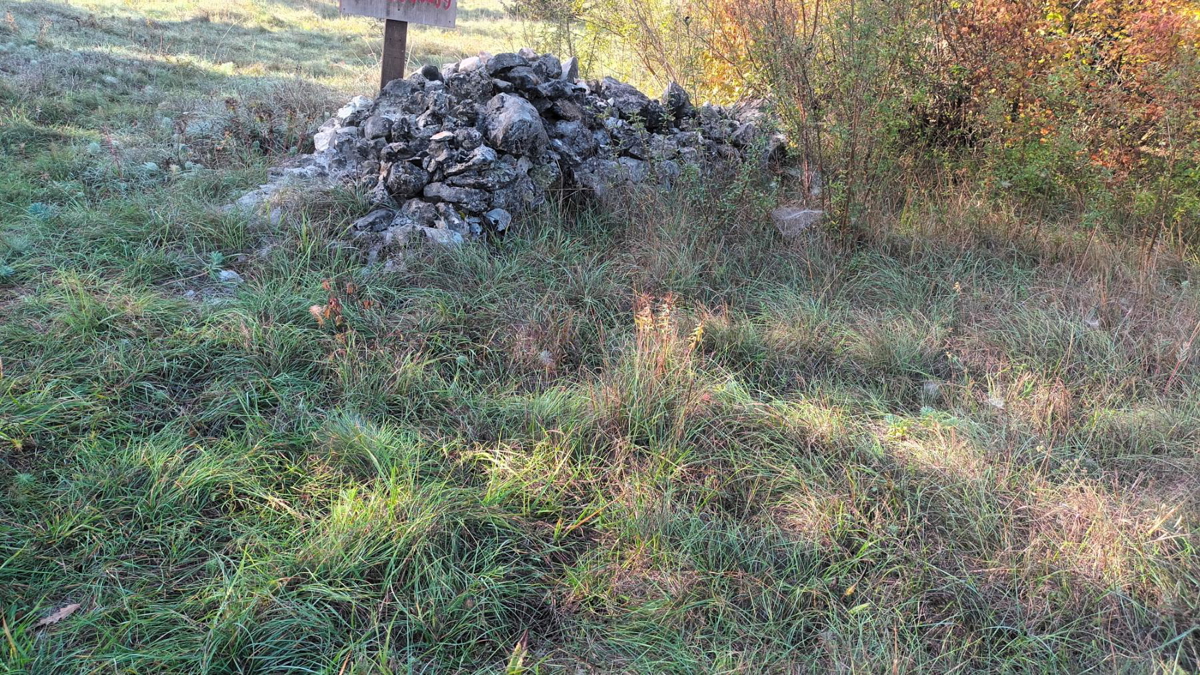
pixel 395 43
pixel 398 14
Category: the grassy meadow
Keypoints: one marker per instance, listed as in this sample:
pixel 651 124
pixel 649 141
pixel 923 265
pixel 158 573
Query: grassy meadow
pixel 653 440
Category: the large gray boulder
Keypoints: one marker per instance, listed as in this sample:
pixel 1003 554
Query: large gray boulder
pixel 514 125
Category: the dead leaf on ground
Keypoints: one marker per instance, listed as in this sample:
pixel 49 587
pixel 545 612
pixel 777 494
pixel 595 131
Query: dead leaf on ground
pixel 59 614
pixel 318 312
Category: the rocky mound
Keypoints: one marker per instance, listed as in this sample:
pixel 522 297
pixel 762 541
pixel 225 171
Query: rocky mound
pixel 455 153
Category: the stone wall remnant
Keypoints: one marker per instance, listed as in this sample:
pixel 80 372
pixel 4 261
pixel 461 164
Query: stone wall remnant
pixel 456 153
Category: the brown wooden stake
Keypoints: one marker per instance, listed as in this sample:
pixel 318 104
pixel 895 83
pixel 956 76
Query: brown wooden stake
pixel 395 42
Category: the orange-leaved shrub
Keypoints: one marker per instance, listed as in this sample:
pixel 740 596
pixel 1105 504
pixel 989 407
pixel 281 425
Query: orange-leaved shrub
pixel 1122 73
pixel 1084 105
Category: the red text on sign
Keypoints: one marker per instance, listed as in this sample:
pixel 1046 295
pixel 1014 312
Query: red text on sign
pixel 440 4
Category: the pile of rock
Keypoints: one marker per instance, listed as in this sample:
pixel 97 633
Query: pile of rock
pixel 454 153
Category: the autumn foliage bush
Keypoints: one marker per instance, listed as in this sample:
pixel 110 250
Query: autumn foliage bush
pixel 1122 73
pixel 1064 104
pixel 1061 98
pixel 1087 99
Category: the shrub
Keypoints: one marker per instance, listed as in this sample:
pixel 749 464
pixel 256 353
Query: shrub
pixel 1053 102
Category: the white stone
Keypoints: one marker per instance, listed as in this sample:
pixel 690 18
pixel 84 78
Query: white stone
pixel 447 238
pixel 356 104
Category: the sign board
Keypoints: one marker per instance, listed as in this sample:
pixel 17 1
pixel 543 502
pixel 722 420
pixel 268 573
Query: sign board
pixel 429 12
pixel 398 14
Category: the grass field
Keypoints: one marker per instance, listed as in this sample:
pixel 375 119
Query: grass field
pixel 655 440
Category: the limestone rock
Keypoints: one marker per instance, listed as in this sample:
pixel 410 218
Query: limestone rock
pixel 431 73
pixel 498 219
pixel 357 105
pixel 375 221
pixel 555 89
pixel 631 104
pixel 419 212
pixel 514 126
pixel 405 179
pixel 469 198
pixel 677 101
pixel 501 63
pixel 548 67
pixel 570 69
pixel 443 237
pixel 377 126
pixel 523 78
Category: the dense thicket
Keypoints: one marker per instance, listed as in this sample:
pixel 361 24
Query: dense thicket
pixel 1085 106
